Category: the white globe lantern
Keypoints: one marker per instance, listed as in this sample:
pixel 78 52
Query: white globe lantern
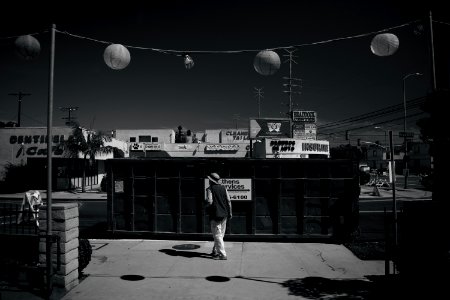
pixel 384 44
pixel 267 62
pixel 27 47
pixel 116 56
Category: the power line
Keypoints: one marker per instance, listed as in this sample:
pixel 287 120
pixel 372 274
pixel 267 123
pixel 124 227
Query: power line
pixel 33 119
pixel 373 124
pixel 414 103
pixel 346 125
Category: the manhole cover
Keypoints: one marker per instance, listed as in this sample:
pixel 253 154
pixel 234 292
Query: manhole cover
pixel 186 247
pixel 217 278
pixel 132 277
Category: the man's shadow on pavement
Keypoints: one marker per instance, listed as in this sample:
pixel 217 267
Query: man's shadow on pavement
pixel 188 254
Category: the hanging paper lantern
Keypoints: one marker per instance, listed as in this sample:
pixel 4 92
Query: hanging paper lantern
pixel 188 62
pixel 116 56
pixel 27 47
pixel 384 44
pixel 266 62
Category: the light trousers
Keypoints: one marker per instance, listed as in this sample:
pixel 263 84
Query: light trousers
pixel 218 230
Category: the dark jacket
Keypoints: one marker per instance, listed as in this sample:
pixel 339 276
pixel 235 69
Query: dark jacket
pixel 219 208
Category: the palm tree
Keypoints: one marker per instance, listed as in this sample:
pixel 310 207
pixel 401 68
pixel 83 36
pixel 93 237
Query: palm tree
pixel 89 146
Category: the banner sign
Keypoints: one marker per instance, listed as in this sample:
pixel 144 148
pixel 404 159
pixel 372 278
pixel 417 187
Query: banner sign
pixel 315 147
pixel 222 147
pixel 304 116
pixel 152 147
pixel 145 147
pixel 270 128
pixel 239 189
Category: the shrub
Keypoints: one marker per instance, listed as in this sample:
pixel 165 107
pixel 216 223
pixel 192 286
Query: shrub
pixel 18 178
pixel 84 255
pixel 103 184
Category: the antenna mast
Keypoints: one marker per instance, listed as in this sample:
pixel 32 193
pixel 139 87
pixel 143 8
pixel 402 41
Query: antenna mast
pixel 294 84
pixel 259 94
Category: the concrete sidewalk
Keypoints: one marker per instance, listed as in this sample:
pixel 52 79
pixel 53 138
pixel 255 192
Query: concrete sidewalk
pixel 168 270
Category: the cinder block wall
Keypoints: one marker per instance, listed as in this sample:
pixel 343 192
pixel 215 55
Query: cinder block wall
pixel 65 224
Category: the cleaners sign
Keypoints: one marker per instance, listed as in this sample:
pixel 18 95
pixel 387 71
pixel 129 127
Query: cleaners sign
pixel 238 189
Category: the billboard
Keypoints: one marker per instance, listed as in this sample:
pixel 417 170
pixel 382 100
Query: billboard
pixel 304 116
pixel 294 148
pixel 270 128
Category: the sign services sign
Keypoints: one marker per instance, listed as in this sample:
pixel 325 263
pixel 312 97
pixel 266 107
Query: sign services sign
pixel 239 189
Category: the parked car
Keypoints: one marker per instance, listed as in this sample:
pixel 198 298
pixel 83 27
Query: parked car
pixel 364 177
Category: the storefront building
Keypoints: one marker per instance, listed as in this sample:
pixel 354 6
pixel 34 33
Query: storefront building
pixel 18 144
pixel 271 198
pixel 28 146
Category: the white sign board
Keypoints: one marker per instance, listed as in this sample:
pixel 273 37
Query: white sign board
pixel 304 131
pixel 304 116
pixel 239 189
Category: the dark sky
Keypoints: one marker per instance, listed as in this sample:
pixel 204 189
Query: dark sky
pixel 341 79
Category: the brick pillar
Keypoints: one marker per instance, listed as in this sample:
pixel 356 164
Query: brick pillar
pixel 65 225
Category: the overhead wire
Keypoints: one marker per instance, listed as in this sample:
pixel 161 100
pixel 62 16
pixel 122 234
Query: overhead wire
pixel 355 122
pixel 377 113
pixel 179 52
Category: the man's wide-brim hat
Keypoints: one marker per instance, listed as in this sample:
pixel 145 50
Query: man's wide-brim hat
pixel 214 177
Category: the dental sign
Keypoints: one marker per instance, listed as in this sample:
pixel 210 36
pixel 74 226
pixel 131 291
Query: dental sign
pixel 275 128
pixel 239 189
pixel 36 145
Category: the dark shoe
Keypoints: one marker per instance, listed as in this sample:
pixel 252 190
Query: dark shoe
pixel 214 254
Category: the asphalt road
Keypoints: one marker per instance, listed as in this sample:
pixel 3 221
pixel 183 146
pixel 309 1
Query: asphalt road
pixel 92 214
pixel 373 211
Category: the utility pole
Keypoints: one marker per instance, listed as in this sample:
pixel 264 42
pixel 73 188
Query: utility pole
pixel 394 200
pixel 293 83
pixel 20 95
pixel 406 171
pixel 259 94
pixel 51 76
pixel 69 109
pixel 236 118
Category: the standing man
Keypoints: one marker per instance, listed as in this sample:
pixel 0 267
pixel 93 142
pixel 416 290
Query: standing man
pixel 219 210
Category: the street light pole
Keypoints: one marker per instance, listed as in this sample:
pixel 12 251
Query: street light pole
pixel 404 127
pixel 49 157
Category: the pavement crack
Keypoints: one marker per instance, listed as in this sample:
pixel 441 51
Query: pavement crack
pixel 319 254
pixel 241 271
